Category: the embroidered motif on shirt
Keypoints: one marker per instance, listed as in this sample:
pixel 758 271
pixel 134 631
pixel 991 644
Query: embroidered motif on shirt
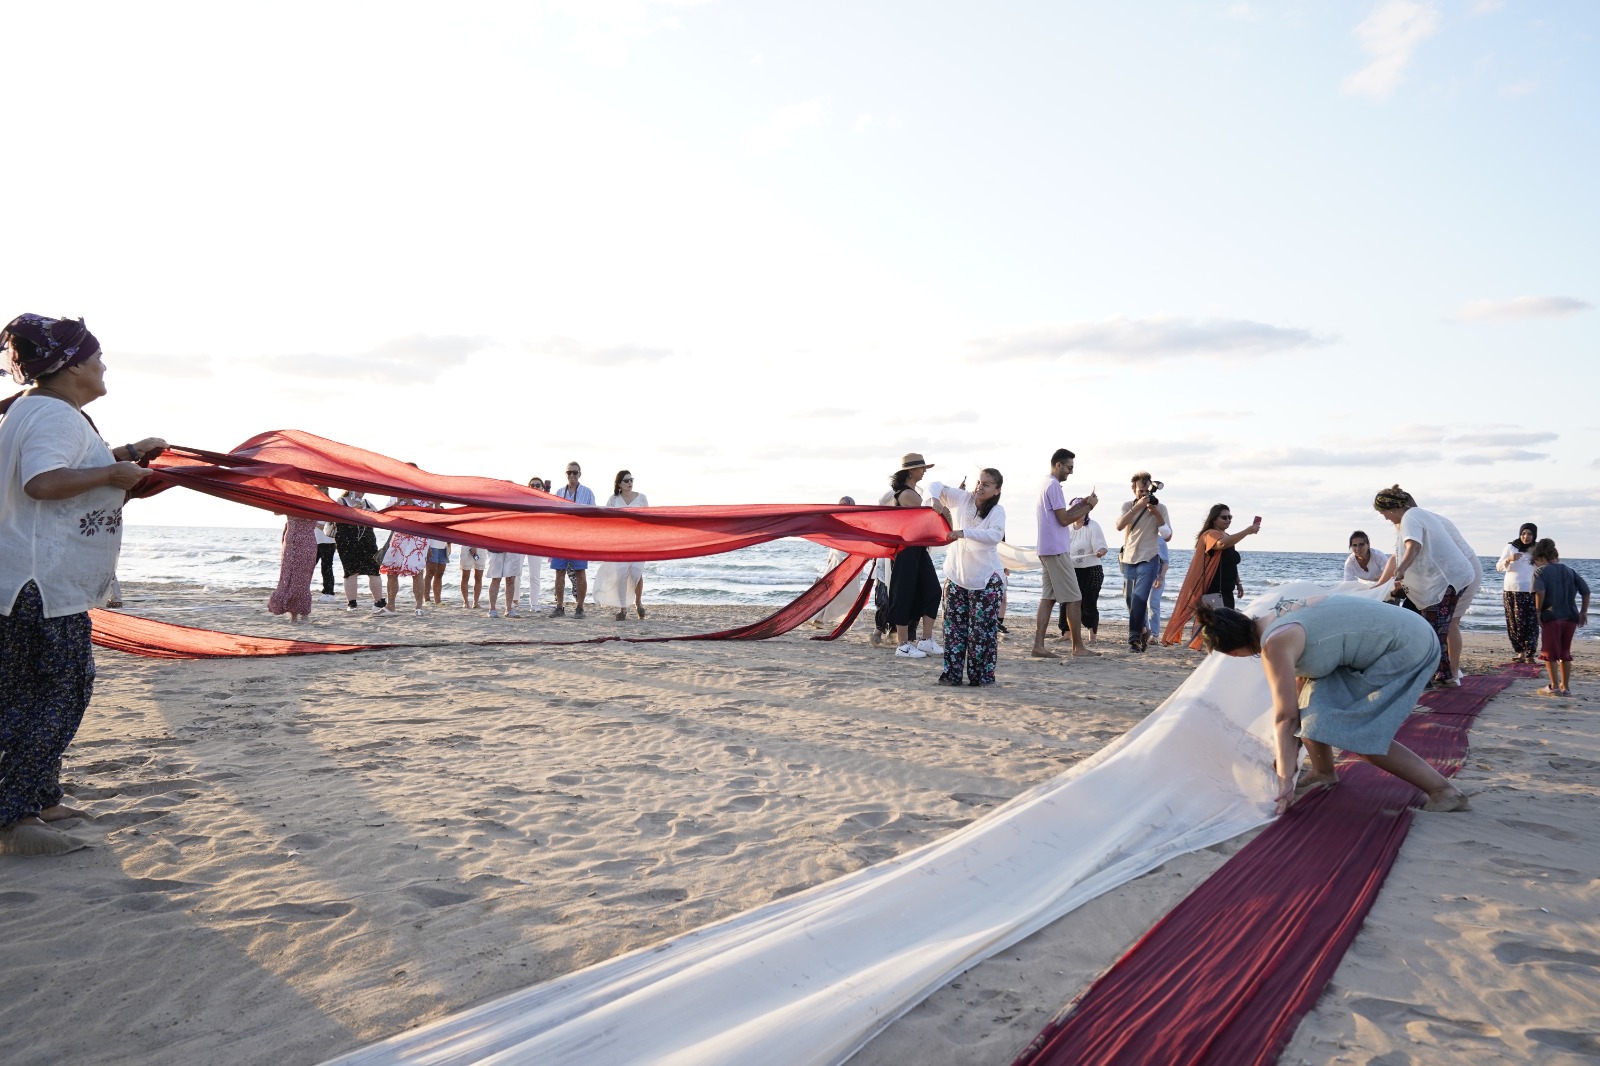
pixel 94 521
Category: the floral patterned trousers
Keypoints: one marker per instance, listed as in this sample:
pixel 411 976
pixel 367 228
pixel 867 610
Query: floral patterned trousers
pixel 971 632
pixel 1522 623
pixel 46 677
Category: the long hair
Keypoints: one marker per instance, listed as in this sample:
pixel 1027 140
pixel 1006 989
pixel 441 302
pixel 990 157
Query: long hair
pixel 988 505
pixel 1225 629
pixel 897 481
pixel 1211 520
pixel 616 486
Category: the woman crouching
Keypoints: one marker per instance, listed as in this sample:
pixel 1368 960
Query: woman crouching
pixel 1364 663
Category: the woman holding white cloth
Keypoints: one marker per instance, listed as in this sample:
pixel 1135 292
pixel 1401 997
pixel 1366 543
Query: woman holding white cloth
pixel 974 584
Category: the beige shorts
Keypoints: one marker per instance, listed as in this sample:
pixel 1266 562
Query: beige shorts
pixel 473 558
pixel 1060 580
pixel 503 564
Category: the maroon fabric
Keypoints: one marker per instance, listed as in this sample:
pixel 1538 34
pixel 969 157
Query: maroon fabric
pixel 1228 974
pixel 277 471
pixel 166 640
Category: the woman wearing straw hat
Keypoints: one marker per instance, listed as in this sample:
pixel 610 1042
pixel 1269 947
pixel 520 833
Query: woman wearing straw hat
pixel 914 585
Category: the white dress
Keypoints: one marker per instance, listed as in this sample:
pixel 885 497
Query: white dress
pixel 615 583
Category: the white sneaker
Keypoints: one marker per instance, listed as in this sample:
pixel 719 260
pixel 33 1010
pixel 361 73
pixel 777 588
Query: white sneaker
pixel 929 646
pixel 494 612
pixel 909 651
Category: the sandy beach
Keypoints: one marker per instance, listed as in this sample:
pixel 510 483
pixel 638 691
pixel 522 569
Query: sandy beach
pixel 296 856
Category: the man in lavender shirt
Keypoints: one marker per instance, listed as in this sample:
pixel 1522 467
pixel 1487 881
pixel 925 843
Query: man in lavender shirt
pixel 1055 556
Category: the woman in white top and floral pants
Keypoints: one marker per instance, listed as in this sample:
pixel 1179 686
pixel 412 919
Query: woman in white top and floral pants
pixel 1522 618
pixel 974 583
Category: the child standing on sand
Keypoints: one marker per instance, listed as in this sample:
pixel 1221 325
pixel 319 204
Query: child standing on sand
pixel 1555 585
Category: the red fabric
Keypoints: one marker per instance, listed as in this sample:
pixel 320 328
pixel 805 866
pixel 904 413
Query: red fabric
pixel 277 471
pixel 165 640
pixel 1228 974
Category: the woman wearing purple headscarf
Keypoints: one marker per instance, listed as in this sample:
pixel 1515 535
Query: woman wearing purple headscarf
pixel 61 496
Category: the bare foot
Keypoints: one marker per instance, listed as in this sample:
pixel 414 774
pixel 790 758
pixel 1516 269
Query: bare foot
pixel 1039 652
pixel 1081 652
pixel 1310 782
pixel 59 813
pixel 1447 799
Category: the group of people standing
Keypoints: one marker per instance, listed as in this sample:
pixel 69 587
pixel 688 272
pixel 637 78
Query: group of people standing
pixel 307 543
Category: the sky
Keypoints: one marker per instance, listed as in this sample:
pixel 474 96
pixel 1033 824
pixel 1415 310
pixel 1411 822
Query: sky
pixel 1280 255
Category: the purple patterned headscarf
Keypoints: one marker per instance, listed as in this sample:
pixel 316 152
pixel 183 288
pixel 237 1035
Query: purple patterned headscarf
pixel 35 346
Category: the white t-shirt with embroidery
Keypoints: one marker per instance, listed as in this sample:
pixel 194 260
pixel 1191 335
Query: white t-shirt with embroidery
pixel 67 547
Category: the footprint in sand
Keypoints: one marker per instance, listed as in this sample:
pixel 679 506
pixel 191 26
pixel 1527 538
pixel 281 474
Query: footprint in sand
pixel 1513 952
pixel 745 803
pixel 1586 1044
pixel 434 896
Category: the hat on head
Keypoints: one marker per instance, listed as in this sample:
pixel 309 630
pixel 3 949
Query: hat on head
pixel 35 346
pixel 913 461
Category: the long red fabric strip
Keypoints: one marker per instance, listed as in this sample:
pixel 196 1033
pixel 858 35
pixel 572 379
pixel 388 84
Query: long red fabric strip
pixel 166 640
pixel 1228 974
pixel 278 471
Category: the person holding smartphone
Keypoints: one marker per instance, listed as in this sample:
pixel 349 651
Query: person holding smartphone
pixel 1214 568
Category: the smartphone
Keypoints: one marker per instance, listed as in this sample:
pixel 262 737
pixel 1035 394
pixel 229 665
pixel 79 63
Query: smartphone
pixel 1258 520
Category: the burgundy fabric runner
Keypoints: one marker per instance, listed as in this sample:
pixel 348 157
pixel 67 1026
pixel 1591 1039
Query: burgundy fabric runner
pixel 166 640
pixel 1228 974
pixel 278 471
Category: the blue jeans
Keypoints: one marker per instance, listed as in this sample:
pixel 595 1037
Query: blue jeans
pixel 1136 581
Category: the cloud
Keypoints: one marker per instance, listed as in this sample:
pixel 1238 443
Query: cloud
pixel 1212 414
pixel 1521 307
pixel 1390 35
pixel 777 132
pixel 419 357
pixel 1147 339
pixel 828 412
pixel 1512 439
pixel 922 419
pixel 163 365
pixel 939 451
pixel 1486 7
pixel 1516 89
pixel 1244 13
pixel 1501 455
pixel 1295 457
pixel 596 354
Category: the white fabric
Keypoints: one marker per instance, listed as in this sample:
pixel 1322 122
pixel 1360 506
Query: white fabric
pixel 1518 568
pixel 971 559
pixel 614 584
pixel 812 977
pixel 1376 561
pixel 835 609
pixel 1439 561
pixel 1017 557
pixel 67 547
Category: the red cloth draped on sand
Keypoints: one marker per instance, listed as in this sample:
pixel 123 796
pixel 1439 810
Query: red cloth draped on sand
pixel 1227 976
pixel 1203 568
pixel 278 471
pixel 166 640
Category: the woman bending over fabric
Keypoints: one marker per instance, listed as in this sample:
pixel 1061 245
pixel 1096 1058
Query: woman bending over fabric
pixel 1522 618
pixel 1364 664
pixel 913 582
pixel 1213 569
pixel 974 584
pixel 1430 567
pixel 61 496
pixel 616 583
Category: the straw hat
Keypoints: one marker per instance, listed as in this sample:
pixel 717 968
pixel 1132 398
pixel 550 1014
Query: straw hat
pixel 914 461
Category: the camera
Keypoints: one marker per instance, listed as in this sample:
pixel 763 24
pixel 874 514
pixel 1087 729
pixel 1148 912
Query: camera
pixel 1155 487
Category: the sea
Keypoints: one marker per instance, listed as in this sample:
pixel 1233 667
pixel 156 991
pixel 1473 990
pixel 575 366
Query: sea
pixel 229 561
